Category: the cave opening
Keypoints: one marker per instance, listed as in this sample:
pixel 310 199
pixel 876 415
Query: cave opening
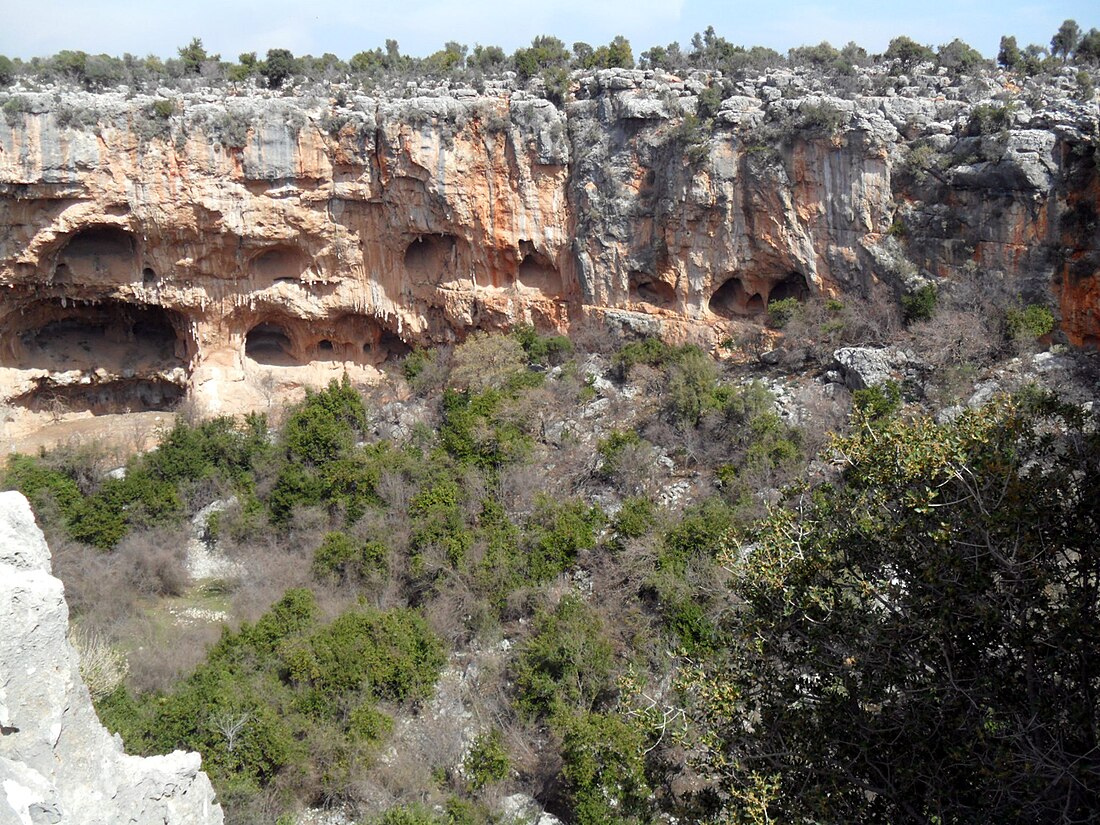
pixel 644 288
pixel 431 259
pixel 115 337
pixel 96 254
pixel 270 344
pixel 148 276
pixel 390 346
pixel 793 286
pixel 279 264
pixel 731 299
pixel 133 356
pixel 538 273
pixel 110 398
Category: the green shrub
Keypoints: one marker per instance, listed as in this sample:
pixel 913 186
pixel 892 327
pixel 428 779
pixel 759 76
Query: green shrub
pixel 1031 322
pixel 782 311
pixel 343 558
pixel 487 760
pixel 287 693
pixel 698 534
pixel 555 532
pixel 604 770
pixel 163 108
pixel 612 446
pixel 988 118
pixel 651 351
pixel 920 304
pixel 542 349
pixel 692 386
pixel 879 402
pixel 7 70
pixel 414 814
pixel 439 521
pixel 415 362
pixel 820 118
pixel 324 427
pixel 48 491
pixel 14 108
pixel 636 518
pixel 471 433
pixel 566 665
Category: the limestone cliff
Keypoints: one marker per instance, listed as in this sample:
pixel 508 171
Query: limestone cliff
pixel 57 763
pixel 226 243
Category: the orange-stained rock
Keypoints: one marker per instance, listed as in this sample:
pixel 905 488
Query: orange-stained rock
pixel 252 245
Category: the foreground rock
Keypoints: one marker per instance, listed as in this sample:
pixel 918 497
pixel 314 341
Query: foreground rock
pixel 58 764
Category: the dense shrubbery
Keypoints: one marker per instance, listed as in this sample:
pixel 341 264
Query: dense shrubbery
pixel 274 694
pixel 600 611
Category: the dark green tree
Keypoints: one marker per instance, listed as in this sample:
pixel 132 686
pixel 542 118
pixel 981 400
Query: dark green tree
pixel 1065 40
pixel 7 70
pixel 1009 54
pixel 920 643
pixel 278 67
pixel 1088 48
pixel 193 55
pixel 908 51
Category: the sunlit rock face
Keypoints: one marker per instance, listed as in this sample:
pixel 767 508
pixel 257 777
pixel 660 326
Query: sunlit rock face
pixel 58 764
pixel 250 244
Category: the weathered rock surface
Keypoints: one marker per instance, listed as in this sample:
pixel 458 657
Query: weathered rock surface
pixel 864 367
pixel 249 243
pixel 58 764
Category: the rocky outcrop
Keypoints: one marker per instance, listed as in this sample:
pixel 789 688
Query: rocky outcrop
pixel 58 764
pixel 229 243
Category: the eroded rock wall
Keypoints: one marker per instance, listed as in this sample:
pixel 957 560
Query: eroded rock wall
pixel 58 764
pixel 251 242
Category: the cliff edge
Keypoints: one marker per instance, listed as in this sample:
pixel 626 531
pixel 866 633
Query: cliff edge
pixel 58 764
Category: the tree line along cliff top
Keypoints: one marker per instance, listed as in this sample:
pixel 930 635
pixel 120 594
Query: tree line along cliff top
pixel 547 61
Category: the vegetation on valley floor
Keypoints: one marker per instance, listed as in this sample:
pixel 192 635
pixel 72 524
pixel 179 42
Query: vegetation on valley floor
pixel 904 631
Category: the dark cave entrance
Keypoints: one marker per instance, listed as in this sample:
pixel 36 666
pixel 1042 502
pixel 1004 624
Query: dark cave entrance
pixel 270 344
pixel 644 288
pixel 97 254
pixel 732 299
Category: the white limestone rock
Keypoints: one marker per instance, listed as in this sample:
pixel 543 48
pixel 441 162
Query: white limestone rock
pixel 58 764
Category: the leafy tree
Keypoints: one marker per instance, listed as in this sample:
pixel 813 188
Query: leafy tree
pixel 487 58
pixel 1065 40
pixel 278 67
pixel 918 643
pixel 193 55
pixel 1088 48
pixel 1009 55
pixel 545 52
pixel 959 57
pixel 908 51
pixel 7 70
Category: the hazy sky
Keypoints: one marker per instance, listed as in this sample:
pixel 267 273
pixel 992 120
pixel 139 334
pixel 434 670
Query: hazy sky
pixel 344 27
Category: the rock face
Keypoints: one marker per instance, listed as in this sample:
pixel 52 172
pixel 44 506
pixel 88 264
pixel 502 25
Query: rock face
pixel 248 242
pixel 57 763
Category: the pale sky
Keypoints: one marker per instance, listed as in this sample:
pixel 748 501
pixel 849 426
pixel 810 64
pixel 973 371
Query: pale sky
pixel 31 28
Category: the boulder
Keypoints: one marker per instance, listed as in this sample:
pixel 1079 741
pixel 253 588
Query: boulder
pixel 865 367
